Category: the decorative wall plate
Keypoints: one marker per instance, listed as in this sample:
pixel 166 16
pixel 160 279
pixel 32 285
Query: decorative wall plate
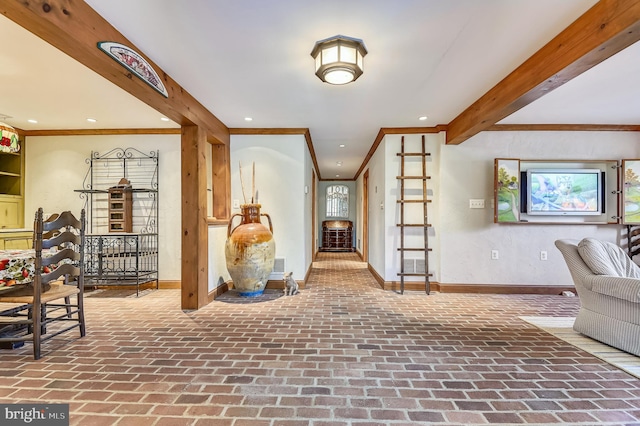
pixel 135 63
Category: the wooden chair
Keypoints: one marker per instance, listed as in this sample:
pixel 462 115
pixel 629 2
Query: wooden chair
pixel 55 306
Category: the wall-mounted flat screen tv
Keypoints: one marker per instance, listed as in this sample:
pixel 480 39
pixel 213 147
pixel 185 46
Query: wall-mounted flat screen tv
pixel 564 192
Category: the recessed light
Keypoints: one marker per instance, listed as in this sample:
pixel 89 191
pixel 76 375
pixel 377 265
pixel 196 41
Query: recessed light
pixel 248 119
pixel 341 145
pixel 337 175
pixel 31 120
pixel 164 119
pixel 91 120
pixel 423 118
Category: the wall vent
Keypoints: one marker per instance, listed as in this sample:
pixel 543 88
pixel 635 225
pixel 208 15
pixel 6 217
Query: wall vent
pixel 414 266
pixel 409 266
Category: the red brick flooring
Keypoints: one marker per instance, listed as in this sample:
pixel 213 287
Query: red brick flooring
pixel 342 352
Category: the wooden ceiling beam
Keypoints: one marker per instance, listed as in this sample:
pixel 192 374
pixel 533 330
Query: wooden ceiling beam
pixel 604 30
pixel 75 28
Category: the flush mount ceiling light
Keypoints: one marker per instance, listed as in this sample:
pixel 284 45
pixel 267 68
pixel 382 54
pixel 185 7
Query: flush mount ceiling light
pixel 339 59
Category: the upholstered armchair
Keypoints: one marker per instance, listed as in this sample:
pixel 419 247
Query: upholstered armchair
pixel 608 284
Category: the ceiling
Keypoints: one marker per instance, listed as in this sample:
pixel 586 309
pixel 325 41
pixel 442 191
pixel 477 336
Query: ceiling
pixel 251 58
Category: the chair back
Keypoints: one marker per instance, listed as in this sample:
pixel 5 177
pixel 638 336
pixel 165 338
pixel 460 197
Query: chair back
pixel 578 269
pixel 68 237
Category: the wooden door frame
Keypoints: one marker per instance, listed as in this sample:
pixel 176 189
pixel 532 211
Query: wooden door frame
pixel 314 245
pixel 365 216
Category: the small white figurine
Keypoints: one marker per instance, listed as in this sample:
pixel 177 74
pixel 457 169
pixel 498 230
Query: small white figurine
pixel 290 285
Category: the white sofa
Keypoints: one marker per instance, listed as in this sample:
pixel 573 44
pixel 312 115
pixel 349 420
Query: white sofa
pixel 608 284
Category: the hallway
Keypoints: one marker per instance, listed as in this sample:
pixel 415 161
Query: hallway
pixel 342 352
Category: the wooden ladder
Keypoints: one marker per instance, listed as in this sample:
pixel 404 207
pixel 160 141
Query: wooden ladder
pixel 402 201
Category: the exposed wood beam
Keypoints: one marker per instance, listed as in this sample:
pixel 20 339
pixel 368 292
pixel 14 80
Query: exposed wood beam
pixel 604 30
pixel 99 132
pixel 268 131
pixel 413 130
pixel 75 28
pixel 565 127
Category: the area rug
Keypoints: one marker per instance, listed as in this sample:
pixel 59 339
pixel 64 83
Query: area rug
pixel 562 327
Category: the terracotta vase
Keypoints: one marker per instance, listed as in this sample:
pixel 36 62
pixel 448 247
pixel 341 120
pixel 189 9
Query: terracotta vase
pixel 250 251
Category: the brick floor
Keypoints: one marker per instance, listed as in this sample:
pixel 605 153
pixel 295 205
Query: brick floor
pixel 342 352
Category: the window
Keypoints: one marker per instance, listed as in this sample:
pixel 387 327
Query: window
pixel 337 201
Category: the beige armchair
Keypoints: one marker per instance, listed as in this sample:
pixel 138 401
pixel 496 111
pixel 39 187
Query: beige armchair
pixel 608 285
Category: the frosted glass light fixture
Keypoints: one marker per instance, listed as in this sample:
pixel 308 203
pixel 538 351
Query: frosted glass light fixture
pixel 339 59
pixel 8 138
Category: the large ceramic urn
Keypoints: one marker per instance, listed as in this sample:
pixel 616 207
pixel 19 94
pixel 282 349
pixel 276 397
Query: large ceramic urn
pixel 250 251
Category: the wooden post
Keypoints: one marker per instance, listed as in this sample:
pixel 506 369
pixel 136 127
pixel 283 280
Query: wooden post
pixel 195 286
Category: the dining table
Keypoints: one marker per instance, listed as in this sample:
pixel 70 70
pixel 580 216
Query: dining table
pixel 17 270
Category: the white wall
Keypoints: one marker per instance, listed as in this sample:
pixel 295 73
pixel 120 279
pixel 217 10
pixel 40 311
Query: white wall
pixel 280 179
pixel 469 235
pixel 55 167
pixel 377 199
pixel 309 169
pixel 462 238
pixel 217 264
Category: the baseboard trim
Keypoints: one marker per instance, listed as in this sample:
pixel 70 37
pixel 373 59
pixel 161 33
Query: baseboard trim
pixel 503 289
pixel 162 285
pixel 471 288
pixel 216 292
pixel 410 286
pixel 167 284
pixel 307 275
pixel 480 288
pixel 376 276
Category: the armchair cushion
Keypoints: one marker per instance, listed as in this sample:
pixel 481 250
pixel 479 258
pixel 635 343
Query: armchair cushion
pixel 619 287
pixel 605 258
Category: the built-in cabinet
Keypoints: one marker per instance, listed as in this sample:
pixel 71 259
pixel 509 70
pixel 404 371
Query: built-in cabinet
pixel 565 191
pixel 12 189
pixel 16 239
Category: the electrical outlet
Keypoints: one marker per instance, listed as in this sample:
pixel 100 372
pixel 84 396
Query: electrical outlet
pixel 495 255
pixel 476 204
pixel 543 255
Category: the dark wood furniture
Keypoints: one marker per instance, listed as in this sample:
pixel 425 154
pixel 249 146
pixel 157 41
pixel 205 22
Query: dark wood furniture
pixel 337 235
pixel 52 303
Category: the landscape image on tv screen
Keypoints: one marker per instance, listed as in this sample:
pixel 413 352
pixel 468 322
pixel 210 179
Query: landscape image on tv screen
pixel 564 192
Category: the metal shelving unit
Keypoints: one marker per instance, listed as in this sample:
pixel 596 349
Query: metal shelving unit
pixel 121 258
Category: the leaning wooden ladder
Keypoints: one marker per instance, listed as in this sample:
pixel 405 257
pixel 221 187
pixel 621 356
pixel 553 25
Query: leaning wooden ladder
pixel 402 201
